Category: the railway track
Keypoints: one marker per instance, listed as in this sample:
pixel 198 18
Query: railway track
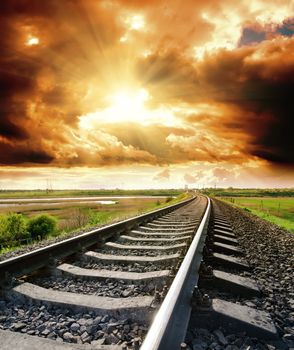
pixel 221 299
pixel 141 283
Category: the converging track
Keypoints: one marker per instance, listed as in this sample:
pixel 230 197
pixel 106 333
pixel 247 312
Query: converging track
pixel 138 284
pixel 101 288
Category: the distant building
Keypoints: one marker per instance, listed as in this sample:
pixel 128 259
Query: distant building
pixel 186 187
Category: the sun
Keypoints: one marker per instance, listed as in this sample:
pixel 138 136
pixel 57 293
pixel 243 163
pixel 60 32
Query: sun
pixel 32 41
pixel 125 105
pixel 137 22
pixel 128 104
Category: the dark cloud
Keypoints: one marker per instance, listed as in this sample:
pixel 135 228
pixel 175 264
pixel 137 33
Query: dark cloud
pixel 287 28
pixel 255 33
pixel 18 74
pixel 10 130
pixel 21 156
pixel 251 36
pixel 29 8
pixel 39 84
pixel 14 87
pixel 260 83
pixel 254 86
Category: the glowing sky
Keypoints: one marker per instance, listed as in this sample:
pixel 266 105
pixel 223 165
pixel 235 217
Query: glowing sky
pixel 139 94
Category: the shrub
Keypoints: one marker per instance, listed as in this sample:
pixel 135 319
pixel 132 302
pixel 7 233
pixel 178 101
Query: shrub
pixel 41 225
pixel 3 230
pixel 168 199
pixel 15 227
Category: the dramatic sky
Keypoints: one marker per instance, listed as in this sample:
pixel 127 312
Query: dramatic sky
pixel 138 94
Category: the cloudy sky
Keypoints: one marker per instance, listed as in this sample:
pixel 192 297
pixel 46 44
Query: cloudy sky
pixel 138 94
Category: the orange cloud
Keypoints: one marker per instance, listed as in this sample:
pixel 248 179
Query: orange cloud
pixel 162 175
pixel 190 179
pixel 180 88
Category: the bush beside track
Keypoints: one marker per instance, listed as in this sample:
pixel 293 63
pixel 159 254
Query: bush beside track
pixel 17 229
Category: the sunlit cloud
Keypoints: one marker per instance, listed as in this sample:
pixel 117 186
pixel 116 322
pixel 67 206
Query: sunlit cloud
pixel 162 175
pixel 199 91
pixel 225 35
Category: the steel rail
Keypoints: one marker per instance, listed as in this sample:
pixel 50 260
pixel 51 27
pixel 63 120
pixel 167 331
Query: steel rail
pixel 170 324
pixel 38 258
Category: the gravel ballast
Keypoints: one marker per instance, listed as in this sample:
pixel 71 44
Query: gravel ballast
pixel 130 252
pixel 157 243
pixel 105 288
pixel 130 267
pixel 64 326
pixel 269 250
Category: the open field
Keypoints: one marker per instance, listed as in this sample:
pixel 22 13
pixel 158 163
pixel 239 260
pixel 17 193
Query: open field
pixel 72 214
pixel 82 193
pixel 249 192
pixel 75 213
pixel 279 210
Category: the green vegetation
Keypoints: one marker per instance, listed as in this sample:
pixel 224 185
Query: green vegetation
pixel 16 226
pixel 274 205
pixel 12 228
pixel 249 192
pixel 85 193
pixel 278 210
pixel 102 217
pixel 35 221
pixel 17 229
pixel 41 226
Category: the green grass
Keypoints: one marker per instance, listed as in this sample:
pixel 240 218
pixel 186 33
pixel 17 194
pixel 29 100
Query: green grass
pixel 279 210
pixel 249 192
pixel 101 217
pixel 72 217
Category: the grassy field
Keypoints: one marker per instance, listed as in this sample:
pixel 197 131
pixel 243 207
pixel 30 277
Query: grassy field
pixel 279 210
pixel 249 192
pixel 73 215
pixel 80 193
